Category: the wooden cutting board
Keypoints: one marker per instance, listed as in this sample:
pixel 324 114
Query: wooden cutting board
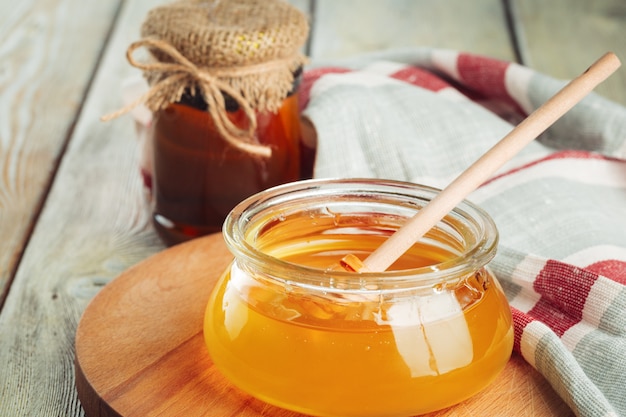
pixel 140 350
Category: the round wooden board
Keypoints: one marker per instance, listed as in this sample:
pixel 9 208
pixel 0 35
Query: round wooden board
pixel 140 350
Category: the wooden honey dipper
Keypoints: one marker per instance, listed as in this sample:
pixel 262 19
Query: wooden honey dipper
pixel 470 179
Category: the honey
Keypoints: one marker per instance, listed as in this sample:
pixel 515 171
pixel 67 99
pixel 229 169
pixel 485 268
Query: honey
pixel 430 332
pixel 223 86
pixel 199 177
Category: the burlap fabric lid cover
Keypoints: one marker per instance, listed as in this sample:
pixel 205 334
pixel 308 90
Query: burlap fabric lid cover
pixel 253 45
pixel 248 49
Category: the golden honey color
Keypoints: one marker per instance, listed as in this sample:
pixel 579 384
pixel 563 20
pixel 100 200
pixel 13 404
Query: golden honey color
pixel 329 352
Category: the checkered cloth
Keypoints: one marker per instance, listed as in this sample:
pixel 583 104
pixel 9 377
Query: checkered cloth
pixel 424 115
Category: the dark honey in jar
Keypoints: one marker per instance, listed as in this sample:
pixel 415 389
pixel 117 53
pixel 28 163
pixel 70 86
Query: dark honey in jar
pixel 199 177
pixel 223 79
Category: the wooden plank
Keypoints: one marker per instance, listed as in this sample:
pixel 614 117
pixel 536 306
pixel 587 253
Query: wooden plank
pixel 93 226
pixel 350 27
pixel 49 51
pixel 562 37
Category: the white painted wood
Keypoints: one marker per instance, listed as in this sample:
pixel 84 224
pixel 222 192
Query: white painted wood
pixel 348 27
pixel 48 51
pixel 562 37
pixel 94 225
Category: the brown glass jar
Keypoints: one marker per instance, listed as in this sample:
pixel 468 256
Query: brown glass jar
pixel 198 177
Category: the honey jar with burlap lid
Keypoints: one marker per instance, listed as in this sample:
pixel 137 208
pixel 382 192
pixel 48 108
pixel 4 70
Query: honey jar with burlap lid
pixel 223 81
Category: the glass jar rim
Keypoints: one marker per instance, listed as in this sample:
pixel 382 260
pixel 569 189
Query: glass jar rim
pixel 241 219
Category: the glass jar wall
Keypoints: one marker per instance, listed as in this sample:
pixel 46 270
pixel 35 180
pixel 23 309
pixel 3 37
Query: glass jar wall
pixel 289 328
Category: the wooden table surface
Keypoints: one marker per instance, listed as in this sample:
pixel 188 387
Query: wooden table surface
pixel 72 209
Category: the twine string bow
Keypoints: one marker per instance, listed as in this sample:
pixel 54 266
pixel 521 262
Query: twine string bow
pixel 176 76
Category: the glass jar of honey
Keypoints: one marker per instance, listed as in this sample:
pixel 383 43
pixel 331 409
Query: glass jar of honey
pixel 223 79
pixel 199 177
pixel 287 326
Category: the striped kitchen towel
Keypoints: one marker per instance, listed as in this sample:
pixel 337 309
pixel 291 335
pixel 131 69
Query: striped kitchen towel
pixel 424 115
